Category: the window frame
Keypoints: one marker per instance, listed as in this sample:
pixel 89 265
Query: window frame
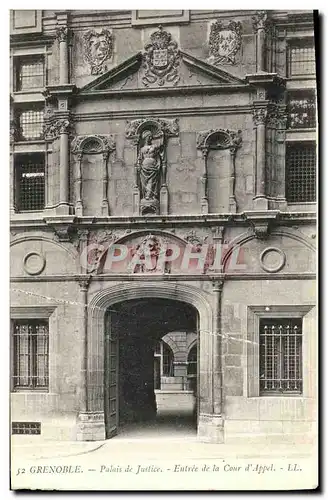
pixel 254 314
pixel 18 59
pixel 301 42
pixel 34 313
pixel 17 181
pixel 299 144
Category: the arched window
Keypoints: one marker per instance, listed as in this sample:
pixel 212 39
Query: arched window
pixel 192 361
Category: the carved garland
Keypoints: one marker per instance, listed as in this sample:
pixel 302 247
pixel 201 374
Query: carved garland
pixel 94 144
pixel 219 139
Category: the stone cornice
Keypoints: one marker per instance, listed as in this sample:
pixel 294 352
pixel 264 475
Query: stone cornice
pixel 167 112
pixel 166 277
pixel 167 221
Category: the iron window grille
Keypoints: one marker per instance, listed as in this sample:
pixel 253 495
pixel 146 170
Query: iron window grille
pixel 192 361
pixel 30 354
pixel 301 172
pixel 30 181
pixel 26 428
pixel 301 58
pixel 302 109
pixel 30 73
pixel 31 123
pixel 280 356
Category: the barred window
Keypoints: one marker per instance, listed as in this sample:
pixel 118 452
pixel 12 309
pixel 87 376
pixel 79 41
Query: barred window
pixel 29 73
pixel 30 354
pixel 192 361
pixel 280 356
pixel 302 109
pixel 301 172
pixel 31 124
pixel 301 59
pixel 30 183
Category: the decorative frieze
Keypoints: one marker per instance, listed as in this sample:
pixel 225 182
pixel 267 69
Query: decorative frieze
pixel 97 49
pixel 224 42
pixel 161 59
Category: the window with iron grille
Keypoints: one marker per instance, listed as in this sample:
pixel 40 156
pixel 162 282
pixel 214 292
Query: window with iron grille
pixel 26 428
pixel 30 182
pixel 280 356
pixel 29 73
pixel 192 361
pixel 301 58
pixel 30 354
pixel 30 123
pixel 302 109
pixel 301 172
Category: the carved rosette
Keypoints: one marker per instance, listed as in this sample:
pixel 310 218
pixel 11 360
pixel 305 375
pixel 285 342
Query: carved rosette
pixel 97 48
pixel 224 42
pixel 55 128
pixel 161 59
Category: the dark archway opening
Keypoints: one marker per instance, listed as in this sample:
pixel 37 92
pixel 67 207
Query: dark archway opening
pixel 136 357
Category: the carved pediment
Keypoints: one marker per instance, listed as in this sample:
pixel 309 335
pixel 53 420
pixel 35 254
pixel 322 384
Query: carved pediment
pixel 137 73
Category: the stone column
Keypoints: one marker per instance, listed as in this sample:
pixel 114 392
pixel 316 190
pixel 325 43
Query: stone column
pixel 78 193
pixel 204 180
pixel 217 336
pixel 232 181
pixel 104 205
pixel 84 284
pixel 62 35
pixel 260 199
pixel 64 167
pixel 259 24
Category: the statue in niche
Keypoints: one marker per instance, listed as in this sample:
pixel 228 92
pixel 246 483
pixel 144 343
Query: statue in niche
pixel 149 168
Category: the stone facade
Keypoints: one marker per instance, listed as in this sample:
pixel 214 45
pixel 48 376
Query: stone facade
pixel 163 130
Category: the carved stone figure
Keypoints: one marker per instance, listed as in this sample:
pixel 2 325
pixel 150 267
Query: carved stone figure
pixel 161 59
pixel 224 42
pixel 149 251
pixel 98 47
pixel 149 165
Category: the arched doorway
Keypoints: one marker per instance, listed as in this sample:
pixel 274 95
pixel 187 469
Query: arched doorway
pixel 94 378
pixel 133 333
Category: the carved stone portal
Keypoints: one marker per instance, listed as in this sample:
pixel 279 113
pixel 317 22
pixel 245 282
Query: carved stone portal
pixel 150 137
pixel 224 42
pixel 98 47
pixel 161 59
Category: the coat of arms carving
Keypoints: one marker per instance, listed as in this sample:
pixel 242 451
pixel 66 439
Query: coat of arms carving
pixel 98 48
pixel 224 42
pixel 161 59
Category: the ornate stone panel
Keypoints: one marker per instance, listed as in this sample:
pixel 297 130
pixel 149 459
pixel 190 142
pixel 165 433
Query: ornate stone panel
pixel 97 48
pixel 224 42
pixel 161 59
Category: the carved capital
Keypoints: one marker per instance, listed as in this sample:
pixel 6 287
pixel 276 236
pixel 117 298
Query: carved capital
pixel 62 34
pixel 63 232
pixel 218 233
pixel 260 116
pixel 81 235
pixel 260 21
pixel 55 128
pixel 217 285
pixel 261 230
pixel 84 283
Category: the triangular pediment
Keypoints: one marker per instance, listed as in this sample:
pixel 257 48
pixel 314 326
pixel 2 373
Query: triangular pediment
pixel 192 72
